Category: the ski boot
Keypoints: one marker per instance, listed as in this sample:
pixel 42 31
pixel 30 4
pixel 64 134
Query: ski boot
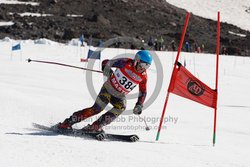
pixel 94 130
pixel 63 127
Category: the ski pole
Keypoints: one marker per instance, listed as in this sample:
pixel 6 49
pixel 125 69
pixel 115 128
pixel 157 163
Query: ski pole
pixel 147 127
pixel 61 64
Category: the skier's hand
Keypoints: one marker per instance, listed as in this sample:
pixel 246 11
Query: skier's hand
pixel 137 109
pixel 106 68
pixel 107 72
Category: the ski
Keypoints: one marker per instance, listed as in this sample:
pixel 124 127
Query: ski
pixel 73 133
pixel 127 138
pixel 84 134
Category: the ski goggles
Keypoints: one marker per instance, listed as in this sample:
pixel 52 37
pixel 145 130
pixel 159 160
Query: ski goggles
pixel 143 65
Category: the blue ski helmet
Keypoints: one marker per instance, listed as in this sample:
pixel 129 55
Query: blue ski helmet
pixel 143 56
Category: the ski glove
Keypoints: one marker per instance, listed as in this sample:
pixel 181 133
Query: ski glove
pixel 107 72
pixel 137 109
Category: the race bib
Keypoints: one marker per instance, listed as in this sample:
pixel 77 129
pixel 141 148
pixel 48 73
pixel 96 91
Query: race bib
pixel 122 83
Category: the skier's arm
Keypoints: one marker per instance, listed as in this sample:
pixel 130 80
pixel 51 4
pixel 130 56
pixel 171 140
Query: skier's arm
pixel 118 63
pixel 142 92
pixel 108 64
pixel 142 95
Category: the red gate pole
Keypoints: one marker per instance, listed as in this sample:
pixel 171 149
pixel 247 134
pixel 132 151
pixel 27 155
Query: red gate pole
pixel 176 61
pixel 217 76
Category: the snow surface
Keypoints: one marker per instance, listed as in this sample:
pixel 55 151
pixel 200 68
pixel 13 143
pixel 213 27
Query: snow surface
pixel 6 23
pixel 41 14
pixel 32 14
pixel 18 2
pixel 232 11
pixel 73 15
pixel 237 34
pixel 47 94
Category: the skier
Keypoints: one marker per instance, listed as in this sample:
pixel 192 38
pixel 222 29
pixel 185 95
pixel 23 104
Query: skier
pixel 124 79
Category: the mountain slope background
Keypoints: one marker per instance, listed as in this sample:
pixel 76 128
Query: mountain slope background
pixel 105 19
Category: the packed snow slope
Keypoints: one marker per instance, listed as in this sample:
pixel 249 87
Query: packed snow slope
pixel 47 94
pixel 232 11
